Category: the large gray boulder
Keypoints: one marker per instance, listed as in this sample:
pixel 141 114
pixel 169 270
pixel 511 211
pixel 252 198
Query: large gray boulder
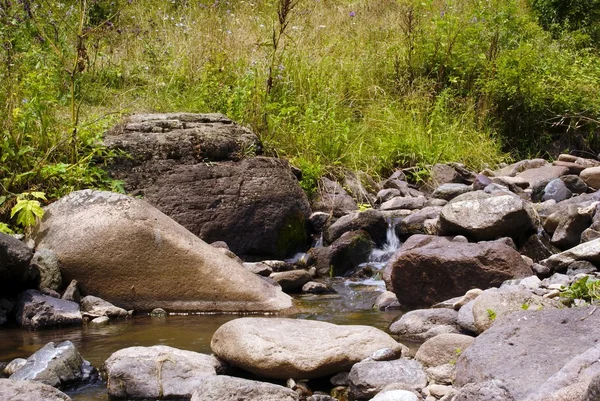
pixel 430 269
pixel 157 372
pixel 227 388
pixel 14 264
pixel 199 169
pixel 443 349
pixel 13 390
pixel 36 310
pixel 368 378
pixel 525 349
pixel 344 255
pixel 57 366
pixel 333 199
pixel 281 348
pixel 481 216
pixel 128 253
pixel 490 390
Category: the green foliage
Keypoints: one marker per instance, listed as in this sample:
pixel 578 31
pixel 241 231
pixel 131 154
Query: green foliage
pixel 558 16
pixel 585 288
pixel 491 315
pixel 28 208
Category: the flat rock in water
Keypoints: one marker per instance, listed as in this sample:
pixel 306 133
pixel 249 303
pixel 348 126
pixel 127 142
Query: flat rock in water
pixel 482 217
pixel 16 390
pixel 130 254
pixel 227 388
pixel 525 349
pixel 35 311
pixel 158 371
pixel 281 348
pixel 98 306
pixel 57 366
pixel 430 269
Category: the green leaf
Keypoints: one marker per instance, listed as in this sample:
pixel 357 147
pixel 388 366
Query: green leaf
pixel 26 212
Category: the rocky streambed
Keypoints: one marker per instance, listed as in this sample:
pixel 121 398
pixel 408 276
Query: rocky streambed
pixel 491 277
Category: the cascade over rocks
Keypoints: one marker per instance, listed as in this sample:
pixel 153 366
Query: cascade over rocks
pixel 430 269
pixel 280 348
pixel 547 340
pixel 197 169
pixel 127 252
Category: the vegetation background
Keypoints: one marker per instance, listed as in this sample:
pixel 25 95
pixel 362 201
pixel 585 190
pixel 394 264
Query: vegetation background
pixel 368 85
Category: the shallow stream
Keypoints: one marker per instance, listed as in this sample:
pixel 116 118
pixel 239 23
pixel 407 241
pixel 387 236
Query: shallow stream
pixel 352 304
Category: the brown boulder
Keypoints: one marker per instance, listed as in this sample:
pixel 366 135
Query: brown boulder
pixel 130 254
pixel 431 269
pixel 199 169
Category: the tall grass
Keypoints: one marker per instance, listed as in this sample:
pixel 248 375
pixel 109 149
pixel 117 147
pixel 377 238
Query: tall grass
pixel 368 85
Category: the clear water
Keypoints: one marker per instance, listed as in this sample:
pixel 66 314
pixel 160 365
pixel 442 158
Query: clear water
pixel 352 304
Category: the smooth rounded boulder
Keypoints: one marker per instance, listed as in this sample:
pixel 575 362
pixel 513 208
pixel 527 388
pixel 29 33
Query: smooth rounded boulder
pixel 17 390
pixel 280 348
pixel 430 269
pixel 157 372
pixel 480 216
pixel 227 388
pixel 128 253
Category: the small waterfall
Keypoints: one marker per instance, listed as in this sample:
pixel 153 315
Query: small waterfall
pixel 380 257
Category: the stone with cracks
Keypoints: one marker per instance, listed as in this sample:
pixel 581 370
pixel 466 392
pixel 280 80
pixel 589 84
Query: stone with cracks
pixel 486 217
pixel 130 254
pixel 280 348
pixel 157 372
pixel 526 348
pixel 227 388
pixel 200 170
pixel 588 251
pixel 430 269
pixel 57 366
pixel 15 390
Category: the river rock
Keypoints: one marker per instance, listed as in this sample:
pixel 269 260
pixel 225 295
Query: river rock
pixel 14 264
pixel 520 166
pixel 57 366
pixel 556 190
pixel 386 194
pixel 387 301
pixel 547 172
pixel 281 348
pixel 524 349
pixel 572 380
pixel 314 287
pixel 127 252
pixel 443 349
pixel 293 280
pixel 591 176
pixel 35 310
pixel 158 371
pixel 490 390
pixel 395 395
pixel 409 203
pixel 259 268
pixel 14 365
pixel 46 263
pixel 422 324
pixel 451 190
pixel 97 306
pixel 333 199
pixel 430 269
pixel 368 378
pixel 588 251
pixel 593 391
pixel 72 293
pixel 344 255
pixel 416 222
pixel 486 217
pixel 16 390
pixel 570 223
pixel 184 163
pixel 371 221
pixel 496 302
pixel 227 388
